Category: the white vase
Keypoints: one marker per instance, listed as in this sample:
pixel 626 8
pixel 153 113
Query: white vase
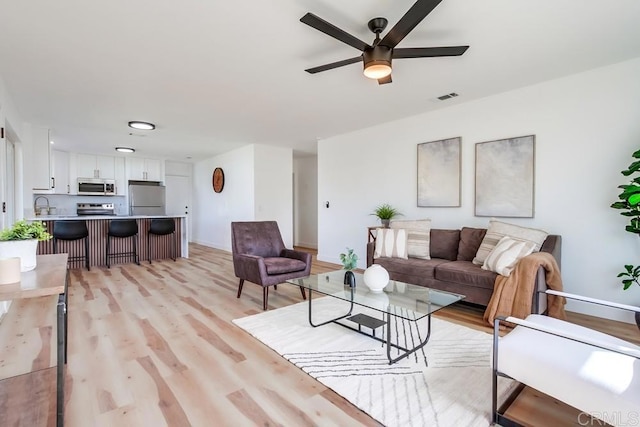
pixel 23 249
pixel 376 278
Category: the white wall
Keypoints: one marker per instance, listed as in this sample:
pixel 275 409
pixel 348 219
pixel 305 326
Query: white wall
pixel 213 212
pixel 586 126
pixel 274 188
pixel 305 201
pixel 258 186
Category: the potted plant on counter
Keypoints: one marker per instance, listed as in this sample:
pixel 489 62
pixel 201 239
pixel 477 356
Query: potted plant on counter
pixel 629 205
pixel 385 212
pixel 21 240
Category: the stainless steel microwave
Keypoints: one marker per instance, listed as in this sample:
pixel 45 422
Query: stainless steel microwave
pixel 96 187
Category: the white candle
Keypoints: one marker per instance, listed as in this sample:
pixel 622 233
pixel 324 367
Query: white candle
pixel 9 270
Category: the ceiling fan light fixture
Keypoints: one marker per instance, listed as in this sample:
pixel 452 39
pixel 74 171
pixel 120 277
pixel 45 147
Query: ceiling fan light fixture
pixel 377 62
pixel 142 125
pixel 377 70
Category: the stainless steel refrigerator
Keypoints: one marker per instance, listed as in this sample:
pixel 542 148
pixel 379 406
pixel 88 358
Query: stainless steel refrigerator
pixel 146 198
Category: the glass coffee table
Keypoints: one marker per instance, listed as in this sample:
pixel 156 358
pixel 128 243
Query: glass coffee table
pixel 398 301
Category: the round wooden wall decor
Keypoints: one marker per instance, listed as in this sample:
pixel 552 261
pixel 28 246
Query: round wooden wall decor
pixel 218 180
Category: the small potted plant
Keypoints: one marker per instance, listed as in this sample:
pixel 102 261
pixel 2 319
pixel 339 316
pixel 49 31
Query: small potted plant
pixel 385 212
pixel 349 261
pixel 21 240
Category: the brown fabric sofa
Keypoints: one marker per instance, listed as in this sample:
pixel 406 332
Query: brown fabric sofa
pixel 450 267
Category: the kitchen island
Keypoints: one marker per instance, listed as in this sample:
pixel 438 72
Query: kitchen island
pixel 98 225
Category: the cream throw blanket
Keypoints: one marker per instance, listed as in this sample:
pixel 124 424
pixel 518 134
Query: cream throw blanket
pixel 512 296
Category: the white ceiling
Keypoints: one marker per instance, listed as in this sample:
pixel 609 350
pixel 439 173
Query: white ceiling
pixel 215 75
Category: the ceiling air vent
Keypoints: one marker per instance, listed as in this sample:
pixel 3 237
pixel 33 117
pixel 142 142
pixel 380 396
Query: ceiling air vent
pixel 447 96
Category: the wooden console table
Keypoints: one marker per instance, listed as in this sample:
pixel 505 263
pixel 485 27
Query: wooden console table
pixel 32 356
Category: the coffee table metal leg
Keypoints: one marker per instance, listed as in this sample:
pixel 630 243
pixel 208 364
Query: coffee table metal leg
pixel 407 352
pixel 331 320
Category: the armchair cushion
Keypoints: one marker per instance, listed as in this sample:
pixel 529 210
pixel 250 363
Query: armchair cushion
pixel 589 378
pixel 277 265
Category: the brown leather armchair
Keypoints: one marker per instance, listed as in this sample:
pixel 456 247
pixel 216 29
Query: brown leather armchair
pixel 259 256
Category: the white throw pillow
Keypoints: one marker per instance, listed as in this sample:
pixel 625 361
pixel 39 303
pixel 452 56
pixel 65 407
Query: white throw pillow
pixel 504 257
pixel 391 243
pixel 418 235
pixel 497 230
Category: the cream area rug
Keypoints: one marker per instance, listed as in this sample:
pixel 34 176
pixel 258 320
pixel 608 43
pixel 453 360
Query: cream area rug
pixel 446 383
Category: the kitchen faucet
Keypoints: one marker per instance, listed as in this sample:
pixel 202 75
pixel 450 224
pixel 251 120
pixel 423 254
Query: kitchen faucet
pixel 35 204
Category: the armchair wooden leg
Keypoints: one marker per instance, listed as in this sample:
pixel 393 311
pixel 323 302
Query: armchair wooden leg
pixel 304 294
pixel 275 287
pixel 265 297
pixel 240 288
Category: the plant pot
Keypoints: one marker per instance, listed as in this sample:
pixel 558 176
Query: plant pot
pixel 385 222
pixel 350 279
pixel 23 249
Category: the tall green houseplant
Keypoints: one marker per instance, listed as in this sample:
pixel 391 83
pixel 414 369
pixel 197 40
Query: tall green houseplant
pixel 629 199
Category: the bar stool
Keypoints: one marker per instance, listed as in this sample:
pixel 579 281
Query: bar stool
pixel 123 228
pixel 161 227
pixel 70 231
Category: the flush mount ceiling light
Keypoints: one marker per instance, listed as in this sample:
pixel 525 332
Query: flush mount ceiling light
pixel 125 150
pixel 142 125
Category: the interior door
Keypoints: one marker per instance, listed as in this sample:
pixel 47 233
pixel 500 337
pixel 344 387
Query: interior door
pixel 178 196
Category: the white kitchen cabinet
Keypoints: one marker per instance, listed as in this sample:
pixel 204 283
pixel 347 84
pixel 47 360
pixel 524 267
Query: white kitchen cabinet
pixel 94 166
pixel 41 160
pixel 120 176
pixel 61 184
pixel 144 169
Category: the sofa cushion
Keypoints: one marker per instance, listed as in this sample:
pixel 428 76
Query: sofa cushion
pixel 277 265
pixel 498 229
pixel 466 273
pixel 444 244
pixel 418 232
pixel 391 243
pixel 470 239
pixel 423 268
pixel 506 254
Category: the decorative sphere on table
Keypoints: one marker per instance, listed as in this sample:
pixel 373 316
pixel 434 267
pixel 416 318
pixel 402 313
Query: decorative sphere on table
pixel 376 278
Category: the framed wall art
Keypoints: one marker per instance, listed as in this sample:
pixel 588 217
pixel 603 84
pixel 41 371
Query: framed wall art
pixel 439 173
pixel 505 177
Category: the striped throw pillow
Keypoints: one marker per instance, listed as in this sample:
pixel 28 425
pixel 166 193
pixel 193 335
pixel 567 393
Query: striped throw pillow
pixel 418 235
pixel 497 230
pixel 391 243
pixel 504 257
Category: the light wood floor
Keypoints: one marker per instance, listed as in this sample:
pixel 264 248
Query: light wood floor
pixel 153 345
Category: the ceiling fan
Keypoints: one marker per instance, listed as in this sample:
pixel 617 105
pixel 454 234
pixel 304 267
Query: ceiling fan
pixel 377 56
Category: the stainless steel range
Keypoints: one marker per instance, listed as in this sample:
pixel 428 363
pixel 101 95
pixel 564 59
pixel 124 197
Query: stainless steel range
pixel 95 209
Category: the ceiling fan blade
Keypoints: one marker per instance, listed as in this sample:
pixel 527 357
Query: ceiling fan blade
pixel 385 80
pixel 331 30
pixel 334 65
pixel 408 22
pixel 427 52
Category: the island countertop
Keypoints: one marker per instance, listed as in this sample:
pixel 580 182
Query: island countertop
pixel 88 217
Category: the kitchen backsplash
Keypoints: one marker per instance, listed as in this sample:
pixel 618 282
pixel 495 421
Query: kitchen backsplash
pixel 66 205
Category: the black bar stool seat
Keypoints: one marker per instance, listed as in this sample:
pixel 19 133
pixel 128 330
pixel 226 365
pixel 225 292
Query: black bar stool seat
pixel 70 231
pixel 123 228
pixel 162 227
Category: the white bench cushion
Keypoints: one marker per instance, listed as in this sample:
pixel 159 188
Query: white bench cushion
pixel 588 378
